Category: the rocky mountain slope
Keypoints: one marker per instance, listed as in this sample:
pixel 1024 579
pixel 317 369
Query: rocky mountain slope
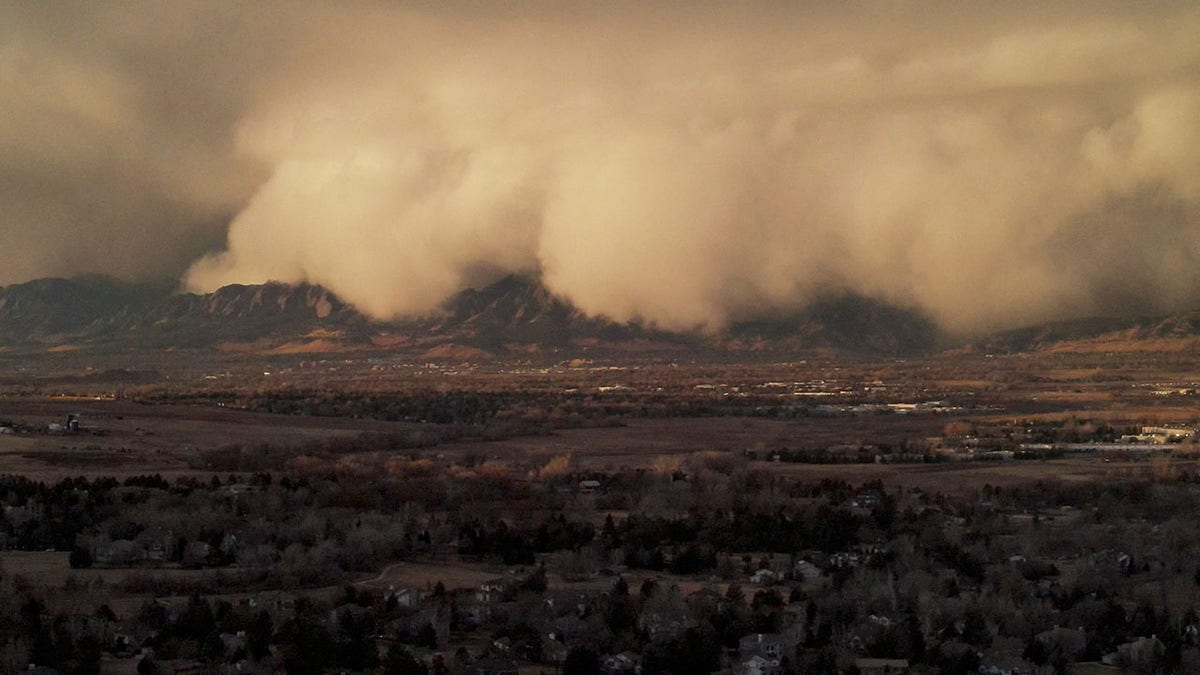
pixel 515 315
pixel 1173 333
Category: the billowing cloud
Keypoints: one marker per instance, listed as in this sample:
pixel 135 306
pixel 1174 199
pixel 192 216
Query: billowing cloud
pixel 116 152
pixel 685 163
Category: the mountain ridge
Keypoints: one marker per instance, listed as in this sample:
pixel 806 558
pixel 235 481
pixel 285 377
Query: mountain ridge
pixel 516 314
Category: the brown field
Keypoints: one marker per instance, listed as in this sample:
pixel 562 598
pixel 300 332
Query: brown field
pixel 50 568
pixel 956 477
pixel 640 441
pixel 137 439
pixel 425 575
pixel 122 439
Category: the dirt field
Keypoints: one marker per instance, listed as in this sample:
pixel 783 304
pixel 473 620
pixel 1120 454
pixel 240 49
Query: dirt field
pixel 640 441
pixel 423 575
pixel 121 439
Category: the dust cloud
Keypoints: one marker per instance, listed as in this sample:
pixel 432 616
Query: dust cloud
pixel 682 163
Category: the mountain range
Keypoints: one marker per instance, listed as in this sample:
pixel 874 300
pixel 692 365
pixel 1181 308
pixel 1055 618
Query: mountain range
pixel 516 315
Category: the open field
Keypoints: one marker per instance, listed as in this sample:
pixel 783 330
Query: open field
pixel 687 476
pixel 124 438
pixel 121 438
pixel 51 568
pixel 640 441
pixel 970 477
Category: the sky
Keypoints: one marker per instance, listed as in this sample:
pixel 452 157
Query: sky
pixel 683 163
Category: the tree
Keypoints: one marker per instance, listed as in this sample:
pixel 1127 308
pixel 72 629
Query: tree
pixel 400 661
pixel 355 642
pixel 258 638
pixel 79 558
pixel 696 652
pixel 42 651
pixel 427 637
pixel 581 662
pixel 307 648
pixel 536 581
pixel 213 648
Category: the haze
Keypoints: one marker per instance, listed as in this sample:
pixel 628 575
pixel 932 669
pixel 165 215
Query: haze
pixel 682 163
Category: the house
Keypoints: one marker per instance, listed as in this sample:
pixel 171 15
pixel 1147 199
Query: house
pixel 759 665
pixel 157 543
pixel 806 571
pixel 281 605
pixel 198 554
pixel 844 561
pixel 119 553
pixel 1003 665
pixel 121 644
pixel 1071 642
pixel 568 602
pixel 663 626
pixel 769 645
pixel 438 616
pixel 404 597
pixel 760 654
pixel 491 592
pixel 344 615
pixel 473 612
pixel 764 578
pixel 229 545
pixel 1168 434
pixel 233 642
pixel 19 515
pixel 881 666
pixel 1142 652
pixel 569 628
pixel 625 663
pixel 554 651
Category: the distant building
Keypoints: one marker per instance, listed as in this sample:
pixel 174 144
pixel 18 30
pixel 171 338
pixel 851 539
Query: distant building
pixel 759 665
pixel 762 644
pixel 625 663
pixel 119 553
pixel 806 571
pixel 760 654
pixel 764 578
pixel 1169 434
pixel 491 591
pixel 405 597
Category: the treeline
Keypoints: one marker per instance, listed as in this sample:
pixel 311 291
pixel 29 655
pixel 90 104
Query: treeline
pixel 556 406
